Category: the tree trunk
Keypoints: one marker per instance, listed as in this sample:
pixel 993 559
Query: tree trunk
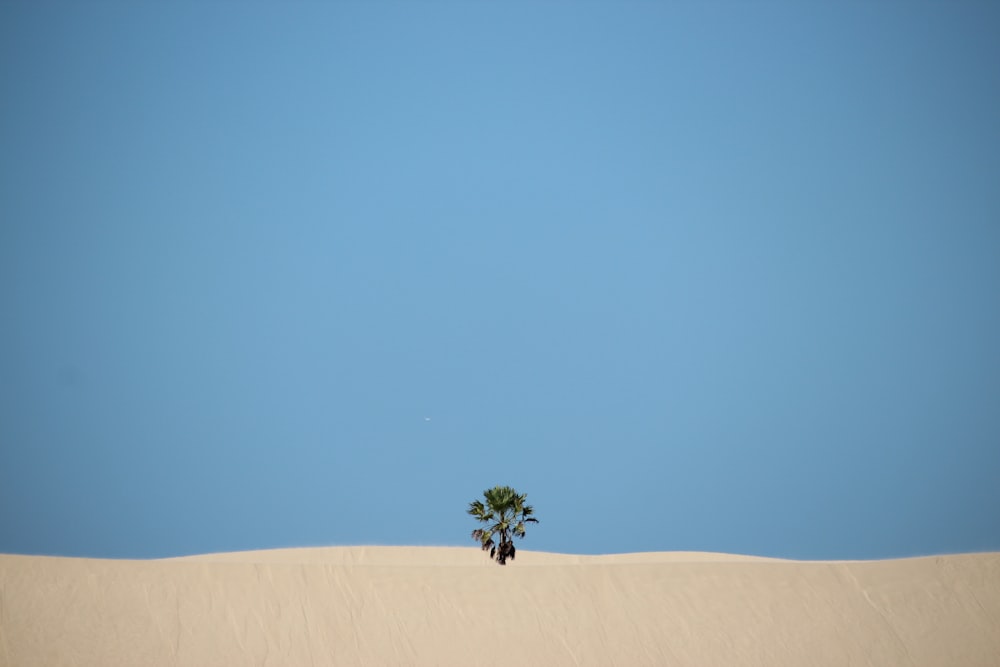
pixel 502 560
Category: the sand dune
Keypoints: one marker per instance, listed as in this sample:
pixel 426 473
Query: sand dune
pixel 452 606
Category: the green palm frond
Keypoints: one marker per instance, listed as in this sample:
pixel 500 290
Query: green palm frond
pixel 477 509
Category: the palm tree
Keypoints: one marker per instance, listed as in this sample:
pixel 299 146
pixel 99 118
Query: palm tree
pixel 504 514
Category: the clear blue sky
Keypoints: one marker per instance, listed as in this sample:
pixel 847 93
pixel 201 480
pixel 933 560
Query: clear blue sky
pixel 694 276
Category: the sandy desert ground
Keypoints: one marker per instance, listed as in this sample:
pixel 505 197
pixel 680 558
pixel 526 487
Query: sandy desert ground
pixel 452 606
